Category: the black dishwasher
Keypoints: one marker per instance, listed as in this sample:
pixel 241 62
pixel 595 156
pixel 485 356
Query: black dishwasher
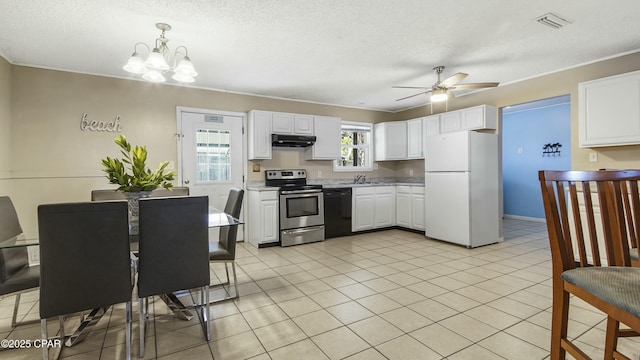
pixel 337 212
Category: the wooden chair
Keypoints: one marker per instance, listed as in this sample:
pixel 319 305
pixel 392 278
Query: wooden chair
pixel 609 284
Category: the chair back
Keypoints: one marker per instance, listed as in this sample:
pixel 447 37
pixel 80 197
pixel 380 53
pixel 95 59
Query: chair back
pixel 12 260
pixel 85 261
pixel 580 226
pixel 174 244
pixel 173 192
pixel 228 234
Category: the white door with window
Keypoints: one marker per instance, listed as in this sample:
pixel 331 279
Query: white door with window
pixel 211 154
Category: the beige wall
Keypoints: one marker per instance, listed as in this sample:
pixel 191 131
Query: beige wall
pixel 5 125
pixel 52 160
pixel 561 83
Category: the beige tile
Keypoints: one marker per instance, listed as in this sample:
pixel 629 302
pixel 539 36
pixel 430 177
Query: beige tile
pixel 284 294
pixel 406 319
pixel 279 334
pixel 228 326
pixel 478 294
pixel 356 291
pixel 199 352
pixel 249 302
pixel 441 339
pixel 468 327
pixel 265 315
pixel 349 312
pixel 404 296
pixel 475 352
pixel 403 279
pixel 407 348
pixel 427 289
pixel 456 301
pixel 240 346
pixel 298 306
pixel 514 307
pixel 369 354
pixel 381 284
pixel 272 283
pixel 493 317
pixel 317 322
pixel 339 343
pixel 378 303
pixel 375 330
pixel 313 286
pixel 531 333
pixel 432 310
pixel 178 340
pixel 304 349
pixel 329 298
pixel 361 275
pixel 338 280
pixel 510 347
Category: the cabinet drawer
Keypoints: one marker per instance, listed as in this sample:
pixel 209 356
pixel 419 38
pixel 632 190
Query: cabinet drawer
pixel 384 189
pixel 403 189
pixel 365 190
pixel 417 190
pixel 268 195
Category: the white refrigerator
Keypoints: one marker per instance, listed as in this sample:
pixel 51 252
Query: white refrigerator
pixel 462 188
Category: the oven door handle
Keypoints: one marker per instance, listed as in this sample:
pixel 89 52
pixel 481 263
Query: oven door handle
pixel 292 192
pixel 303 230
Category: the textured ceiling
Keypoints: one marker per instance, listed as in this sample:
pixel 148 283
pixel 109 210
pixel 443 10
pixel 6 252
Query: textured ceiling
pixel 329 51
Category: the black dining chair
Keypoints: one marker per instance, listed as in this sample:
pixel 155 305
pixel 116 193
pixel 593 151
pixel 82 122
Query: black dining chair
pixel 224 250
pixel 84 261
pixel 16 276
pixel 173 256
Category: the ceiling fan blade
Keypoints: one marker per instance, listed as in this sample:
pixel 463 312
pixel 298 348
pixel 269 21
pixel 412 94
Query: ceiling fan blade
pixel 450 94
pixel 452 80
pixel 475 86
pixel 428 91
pixel 410 87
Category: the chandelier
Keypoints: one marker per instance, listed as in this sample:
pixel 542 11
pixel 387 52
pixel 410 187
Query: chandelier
pixel 158 60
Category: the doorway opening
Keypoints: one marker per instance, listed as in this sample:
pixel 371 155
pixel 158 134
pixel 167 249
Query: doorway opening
pixel 535 136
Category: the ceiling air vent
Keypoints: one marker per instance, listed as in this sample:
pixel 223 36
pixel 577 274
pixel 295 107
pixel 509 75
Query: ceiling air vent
pixel 553 21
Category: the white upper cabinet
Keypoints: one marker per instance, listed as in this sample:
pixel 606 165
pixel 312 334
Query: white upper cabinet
pixel 292 124
pixel 259 135
pixel 303 125
pixel 327 147
pixel 609 111
pixel 473 118
pixel 414 139
pixel 390 140
pixel 431 125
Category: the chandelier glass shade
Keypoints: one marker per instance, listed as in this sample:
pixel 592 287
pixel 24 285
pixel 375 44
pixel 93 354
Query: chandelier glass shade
pixel 157 62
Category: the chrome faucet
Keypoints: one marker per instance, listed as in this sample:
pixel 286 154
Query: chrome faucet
pixel 359 179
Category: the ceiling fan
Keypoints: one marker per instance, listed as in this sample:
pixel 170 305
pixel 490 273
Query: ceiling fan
pixel 442 90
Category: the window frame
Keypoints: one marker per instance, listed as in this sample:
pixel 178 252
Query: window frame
pixel 369 147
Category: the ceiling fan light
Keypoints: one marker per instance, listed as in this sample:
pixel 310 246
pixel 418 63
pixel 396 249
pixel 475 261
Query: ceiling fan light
pixel 183 78
pixel 156 61
pixel 185 67
pixel 439 95
pixel 135 65
pixel 154 76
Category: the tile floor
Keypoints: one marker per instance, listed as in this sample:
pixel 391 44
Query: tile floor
pixel 385 295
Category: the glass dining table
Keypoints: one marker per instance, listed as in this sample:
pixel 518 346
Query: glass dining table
pixel 217 219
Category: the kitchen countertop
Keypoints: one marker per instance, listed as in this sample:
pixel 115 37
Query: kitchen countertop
pixel 332 186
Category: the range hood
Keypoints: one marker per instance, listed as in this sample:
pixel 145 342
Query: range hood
pixel 292 140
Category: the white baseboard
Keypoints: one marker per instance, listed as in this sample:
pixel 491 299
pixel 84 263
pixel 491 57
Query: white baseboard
pixel 527 218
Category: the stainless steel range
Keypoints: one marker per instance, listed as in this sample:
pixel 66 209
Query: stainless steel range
pixel 301 207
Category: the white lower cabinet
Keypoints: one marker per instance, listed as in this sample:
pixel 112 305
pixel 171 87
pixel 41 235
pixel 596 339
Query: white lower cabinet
pixel 373 207
pixel 410 207
pixel 262 223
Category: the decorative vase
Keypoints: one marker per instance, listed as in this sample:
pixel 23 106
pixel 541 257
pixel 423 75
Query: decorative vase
pixel 132 201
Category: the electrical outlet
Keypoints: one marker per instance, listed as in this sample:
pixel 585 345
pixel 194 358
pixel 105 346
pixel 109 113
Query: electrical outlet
pixel 375 166
pixel 256 168
pixel 593 157
pixel 34 254
pixel 319 173
pixel 520 150
pixel 171 165
pixel 410 172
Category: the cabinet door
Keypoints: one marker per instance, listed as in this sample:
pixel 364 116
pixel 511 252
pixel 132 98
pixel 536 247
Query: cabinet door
pixel 417 210
pixel 259 135
pixel 269 221
pixel 450 122
pixel 431 125
pixel 390 141
pixel 473 118
pixel 303 125
pixel 385 205
pixel 414 139
pixel 403 209
pixel 609 111
pixel 363 212
pixel 282 123
pixel 327 131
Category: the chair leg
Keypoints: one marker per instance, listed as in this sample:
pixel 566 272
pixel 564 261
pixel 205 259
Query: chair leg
pixel 226 269
pixel 611 337
pixel 128 321
pixel 43 332
pixel 141 325
pixel 235 279
pixel 14 318
pixel 559 319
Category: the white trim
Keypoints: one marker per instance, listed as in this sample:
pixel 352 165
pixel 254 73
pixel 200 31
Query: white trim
pixel 527 218
pixel 369 146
